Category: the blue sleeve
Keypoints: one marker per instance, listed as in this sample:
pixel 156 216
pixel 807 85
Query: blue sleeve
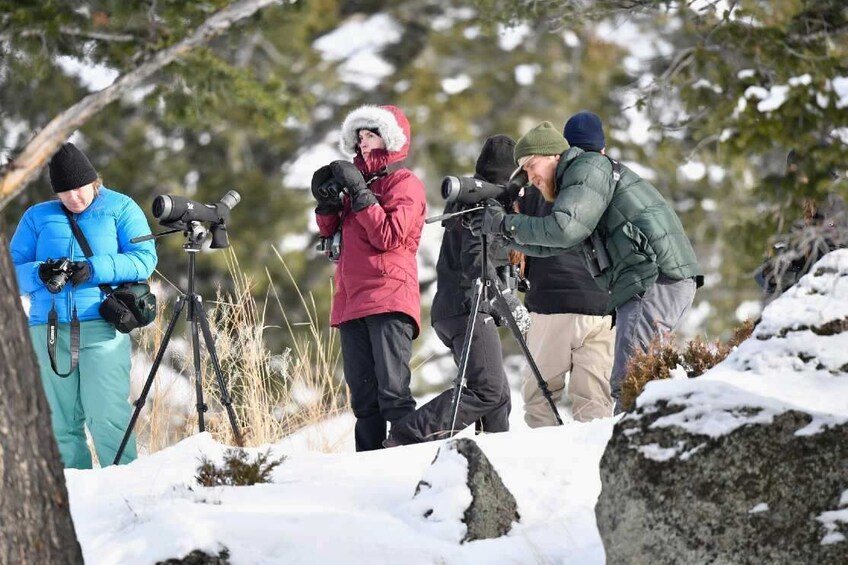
pixel 133 261
pixel 22 249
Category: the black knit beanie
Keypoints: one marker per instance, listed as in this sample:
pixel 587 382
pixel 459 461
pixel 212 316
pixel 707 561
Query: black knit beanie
pixel 70 169
pixel 495 162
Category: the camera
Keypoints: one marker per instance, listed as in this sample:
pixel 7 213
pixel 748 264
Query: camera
pixel 56 282
pixel 331 246
pixel 178 212
pixel 471 190
pixel 597 260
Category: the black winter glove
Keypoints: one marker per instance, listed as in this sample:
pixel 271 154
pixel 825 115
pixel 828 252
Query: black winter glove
pixel 327 192
pixel 80 272
pixel 348 176
pixel 489 220
pixel 50 272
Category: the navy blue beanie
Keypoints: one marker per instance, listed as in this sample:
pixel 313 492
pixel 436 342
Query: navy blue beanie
pixel 584 130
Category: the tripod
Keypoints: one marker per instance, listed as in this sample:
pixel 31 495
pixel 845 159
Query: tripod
pixel 196 316
pixel 483 287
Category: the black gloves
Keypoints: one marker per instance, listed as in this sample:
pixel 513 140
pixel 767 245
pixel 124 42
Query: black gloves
pixel 327 192
pixel 489 220
pixel 348 176
pixel 54 274
pixel 80 272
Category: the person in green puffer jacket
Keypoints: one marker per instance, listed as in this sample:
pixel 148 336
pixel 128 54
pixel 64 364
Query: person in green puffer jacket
pixel 634 243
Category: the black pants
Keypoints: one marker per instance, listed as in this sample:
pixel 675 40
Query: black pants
pixel 375 354
pixel 486 397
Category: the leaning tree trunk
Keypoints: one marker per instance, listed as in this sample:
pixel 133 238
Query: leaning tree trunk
pixel 35 519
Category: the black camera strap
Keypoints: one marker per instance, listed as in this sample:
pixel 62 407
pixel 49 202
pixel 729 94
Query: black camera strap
pixel 53 324
pixel 52 336
pixel 83 243
pixel 385 171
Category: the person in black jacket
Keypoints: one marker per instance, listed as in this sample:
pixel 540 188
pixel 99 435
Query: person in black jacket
pixel 569 333
pixel 486 397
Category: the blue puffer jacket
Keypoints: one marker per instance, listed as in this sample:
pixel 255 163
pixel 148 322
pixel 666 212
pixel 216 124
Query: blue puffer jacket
pixel 109 223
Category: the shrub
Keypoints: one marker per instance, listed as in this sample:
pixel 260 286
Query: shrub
pixel 237 469
pixel 662 357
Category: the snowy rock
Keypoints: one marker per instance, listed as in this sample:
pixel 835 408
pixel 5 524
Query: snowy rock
pixel 462 498
pixel 746 464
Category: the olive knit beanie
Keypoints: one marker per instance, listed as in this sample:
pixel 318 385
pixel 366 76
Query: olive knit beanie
pixel 543 139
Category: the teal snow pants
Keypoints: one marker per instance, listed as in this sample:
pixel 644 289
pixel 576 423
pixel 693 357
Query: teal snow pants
pixel 96 394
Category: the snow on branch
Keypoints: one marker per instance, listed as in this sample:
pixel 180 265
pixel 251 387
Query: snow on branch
pixel 19 171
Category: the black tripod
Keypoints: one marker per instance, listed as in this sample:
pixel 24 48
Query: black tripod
pixel 196 316
pixel 486 286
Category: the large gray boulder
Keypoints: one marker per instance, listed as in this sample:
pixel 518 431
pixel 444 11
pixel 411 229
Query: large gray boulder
pixel 749 463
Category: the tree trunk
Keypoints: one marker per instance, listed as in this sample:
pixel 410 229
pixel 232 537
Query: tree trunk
pixel 35 518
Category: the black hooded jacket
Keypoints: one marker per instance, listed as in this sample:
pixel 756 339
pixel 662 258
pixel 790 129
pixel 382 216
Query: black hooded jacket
pixel 560 284
pixel 460 256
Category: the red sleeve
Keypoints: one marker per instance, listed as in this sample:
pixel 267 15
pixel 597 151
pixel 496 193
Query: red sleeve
pixel 400 213
pixel 327 224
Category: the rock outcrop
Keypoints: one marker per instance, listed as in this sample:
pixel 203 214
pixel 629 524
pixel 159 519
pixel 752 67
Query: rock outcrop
pixel 748 463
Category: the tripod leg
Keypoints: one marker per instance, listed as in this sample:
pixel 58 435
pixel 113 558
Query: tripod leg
pixel 466 353
pixel 210 347
pixel 139 403
pixel 198 377
pixel 506 313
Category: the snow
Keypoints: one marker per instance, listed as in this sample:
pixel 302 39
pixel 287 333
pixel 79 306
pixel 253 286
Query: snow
pixel 328 504
pixel 346 507
pixel 455 85
pixel 357 44
pixel 93 76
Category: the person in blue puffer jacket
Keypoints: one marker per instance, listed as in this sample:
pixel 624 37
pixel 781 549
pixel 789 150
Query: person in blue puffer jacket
pixel 96 393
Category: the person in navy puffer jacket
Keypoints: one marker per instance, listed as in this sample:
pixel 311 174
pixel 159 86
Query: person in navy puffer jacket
pixel 96 393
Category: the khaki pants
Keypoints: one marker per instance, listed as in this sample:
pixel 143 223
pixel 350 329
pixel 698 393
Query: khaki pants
pixel 575 343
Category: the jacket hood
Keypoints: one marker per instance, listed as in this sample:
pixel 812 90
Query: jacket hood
pixel 495 163
pixel 393 128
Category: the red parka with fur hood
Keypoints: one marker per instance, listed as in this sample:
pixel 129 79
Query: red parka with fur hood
pixel 378 271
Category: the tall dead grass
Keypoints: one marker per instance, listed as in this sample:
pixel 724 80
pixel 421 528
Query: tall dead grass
pixel 273 393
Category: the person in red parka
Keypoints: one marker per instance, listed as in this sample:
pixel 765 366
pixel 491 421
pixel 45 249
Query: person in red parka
pixel 379 206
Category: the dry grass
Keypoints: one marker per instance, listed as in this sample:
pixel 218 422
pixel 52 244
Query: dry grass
pixel 662 357
pixel 273 394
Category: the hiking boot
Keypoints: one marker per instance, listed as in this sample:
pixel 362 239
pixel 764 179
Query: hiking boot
pixel 391 442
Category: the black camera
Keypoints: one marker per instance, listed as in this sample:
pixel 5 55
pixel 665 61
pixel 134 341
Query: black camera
pixel 471 190
pixel 178 212
pixel 57 281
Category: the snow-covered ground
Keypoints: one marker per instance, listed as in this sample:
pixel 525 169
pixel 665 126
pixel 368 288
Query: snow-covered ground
pixel 346 507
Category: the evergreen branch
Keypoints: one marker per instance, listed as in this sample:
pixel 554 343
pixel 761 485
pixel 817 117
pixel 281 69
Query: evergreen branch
pixel 17 173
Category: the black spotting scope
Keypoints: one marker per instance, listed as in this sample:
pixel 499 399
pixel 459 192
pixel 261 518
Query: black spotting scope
pixel 178 212
pixel 471 190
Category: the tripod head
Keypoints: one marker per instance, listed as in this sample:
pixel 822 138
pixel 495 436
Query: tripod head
pixel 194 231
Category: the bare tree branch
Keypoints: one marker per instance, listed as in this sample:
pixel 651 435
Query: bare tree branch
pixel 25 166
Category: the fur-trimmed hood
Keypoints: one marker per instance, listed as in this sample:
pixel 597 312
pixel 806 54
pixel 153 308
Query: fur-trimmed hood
pixel 393 128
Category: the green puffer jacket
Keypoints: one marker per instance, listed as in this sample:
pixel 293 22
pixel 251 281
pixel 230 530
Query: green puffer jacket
pixel 641 233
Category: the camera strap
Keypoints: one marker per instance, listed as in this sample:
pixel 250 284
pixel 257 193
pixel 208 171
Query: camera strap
pixel 385 171
pixel 53 334
pixel 83 243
